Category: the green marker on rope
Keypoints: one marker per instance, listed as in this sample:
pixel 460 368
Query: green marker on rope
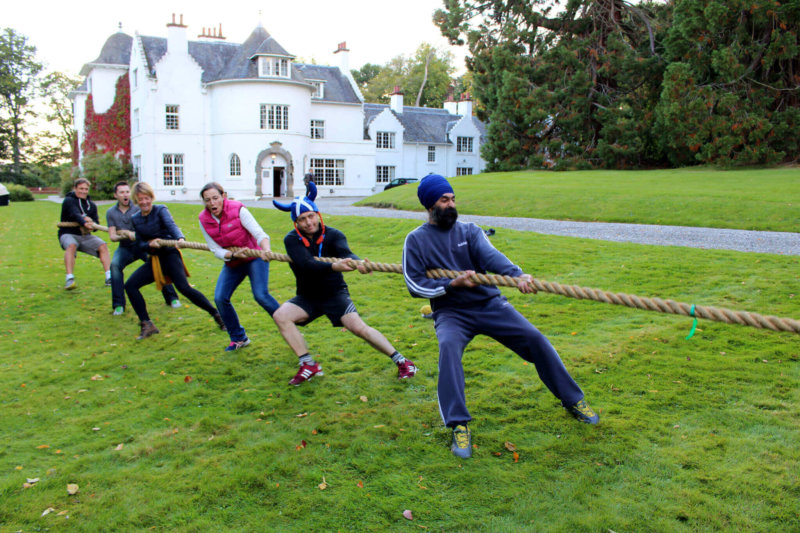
pixel 694 324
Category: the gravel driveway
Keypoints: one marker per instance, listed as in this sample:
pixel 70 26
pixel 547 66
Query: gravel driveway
pixel 770 242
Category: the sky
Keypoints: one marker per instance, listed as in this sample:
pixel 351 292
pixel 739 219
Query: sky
pixel 68 34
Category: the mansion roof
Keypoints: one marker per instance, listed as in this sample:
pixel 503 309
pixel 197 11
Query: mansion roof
pixel 422 124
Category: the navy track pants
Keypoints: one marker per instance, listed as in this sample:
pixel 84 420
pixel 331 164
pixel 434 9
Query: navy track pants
pixel 498 319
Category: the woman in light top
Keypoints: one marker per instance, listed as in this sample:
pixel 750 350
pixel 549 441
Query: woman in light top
pixel 164 264
pixel 225 224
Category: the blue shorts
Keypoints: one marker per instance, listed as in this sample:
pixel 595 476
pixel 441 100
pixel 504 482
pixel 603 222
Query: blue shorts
pixel 334 307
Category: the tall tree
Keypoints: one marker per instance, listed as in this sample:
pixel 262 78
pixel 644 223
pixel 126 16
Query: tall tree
pixel 571 82
pixel 365 74
pixel 425 76
pixel 732 90
pixel 18 71
pixel 55 144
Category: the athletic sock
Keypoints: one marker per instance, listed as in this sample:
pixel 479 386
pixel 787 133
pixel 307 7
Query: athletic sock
pixel 306 359
pixel 108 274
pixel 70 276
pixel 397 358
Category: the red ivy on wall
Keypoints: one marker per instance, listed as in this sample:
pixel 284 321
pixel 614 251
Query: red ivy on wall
pixel 110 131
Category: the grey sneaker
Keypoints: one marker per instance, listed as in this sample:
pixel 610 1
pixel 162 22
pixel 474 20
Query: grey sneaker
pixel 462 442
pixel 108 282
pixel 175 304
pixel 69 284
pixel 118 310
pixel 583 412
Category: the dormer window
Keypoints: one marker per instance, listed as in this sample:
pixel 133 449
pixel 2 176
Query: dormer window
pixel 319 89
pixel 273 67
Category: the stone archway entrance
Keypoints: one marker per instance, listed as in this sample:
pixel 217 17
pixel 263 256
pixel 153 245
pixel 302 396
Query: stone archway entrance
pixel 274 172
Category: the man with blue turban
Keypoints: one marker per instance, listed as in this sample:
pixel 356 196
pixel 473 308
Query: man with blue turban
pixel 321 289
pixel 463 309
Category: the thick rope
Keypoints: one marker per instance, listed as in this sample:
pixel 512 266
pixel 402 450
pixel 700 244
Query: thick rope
pixel 716 314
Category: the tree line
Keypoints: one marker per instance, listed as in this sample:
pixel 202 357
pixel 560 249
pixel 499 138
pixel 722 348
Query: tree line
pixel 617 84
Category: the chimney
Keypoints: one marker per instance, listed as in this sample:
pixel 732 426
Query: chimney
pixel 344 58
pixel 396 100
pixel 177 43
pixel 465 105
pixel 450 105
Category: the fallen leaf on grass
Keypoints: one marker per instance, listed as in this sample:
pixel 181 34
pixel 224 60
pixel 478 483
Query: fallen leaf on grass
pixel 47 511
pixel 97 377
pixel 72 489
pixel 17 468
pixel 379 426
pixel 187 379
pixel 313 431
pixel 42 446
pixel 301 415
pixel 302 445
pixel 323 485
pixel 516 457
pixel 118 448
pixel 363 398
pixel 62 513
pixel 407 514
pixel 510 447
pixel 360 485
pixel 498 454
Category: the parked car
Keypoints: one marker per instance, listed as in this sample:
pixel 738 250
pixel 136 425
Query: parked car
pixel 399 181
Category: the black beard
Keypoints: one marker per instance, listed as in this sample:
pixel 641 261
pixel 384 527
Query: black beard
pixel 444 217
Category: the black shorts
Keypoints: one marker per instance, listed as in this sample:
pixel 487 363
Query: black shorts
pixel 334 307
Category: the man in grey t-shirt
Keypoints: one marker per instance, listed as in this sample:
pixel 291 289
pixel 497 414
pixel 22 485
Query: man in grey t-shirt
pixel 120 229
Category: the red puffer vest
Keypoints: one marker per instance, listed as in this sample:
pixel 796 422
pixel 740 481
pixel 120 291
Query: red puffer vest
pixel 229 230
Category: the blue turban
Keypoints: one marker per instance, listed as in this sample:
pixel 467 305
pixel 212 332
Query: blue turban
pixel 300 205
pixel 431 188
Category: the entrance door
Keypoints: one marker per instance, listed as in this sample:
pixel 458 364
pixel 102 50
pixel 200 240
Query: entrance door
pixel 277 182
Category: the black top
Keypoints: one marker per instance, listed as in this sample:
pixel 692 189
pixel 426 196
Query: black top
pixel 73 209
pixel 315 279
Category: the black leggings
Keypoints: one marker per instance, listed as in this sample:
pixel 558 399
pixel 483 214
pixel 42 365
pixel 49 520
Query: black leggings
pixel 171 266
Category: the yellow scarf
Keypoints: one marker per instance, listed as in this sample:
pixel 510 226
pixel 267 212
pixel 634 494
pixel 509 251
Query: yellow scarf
pixel 158 275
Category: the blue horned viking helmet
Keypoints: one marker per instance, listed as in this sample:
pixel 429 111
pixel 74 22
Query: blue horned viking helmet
pixel 300 205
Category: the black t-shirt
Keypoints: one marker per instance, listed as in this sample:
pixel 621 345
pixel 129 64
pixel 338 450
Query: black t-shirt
pixel 316 279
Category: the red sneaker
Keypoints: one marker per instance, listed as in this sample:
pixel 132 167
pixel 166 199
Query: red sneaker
pixel 406 369
pixel 305 373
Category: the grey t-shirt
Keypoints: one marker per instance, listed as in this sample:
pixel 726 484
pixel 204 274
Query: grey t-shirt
pixel 120 220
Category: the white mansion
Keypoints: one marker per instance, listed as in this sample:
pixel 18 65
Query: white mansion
pixel 251 118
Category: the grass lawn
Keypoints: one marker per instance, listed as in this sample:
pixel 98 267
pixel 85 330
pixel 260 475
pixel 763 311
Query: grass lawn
pixel 767 199
pixel 172 434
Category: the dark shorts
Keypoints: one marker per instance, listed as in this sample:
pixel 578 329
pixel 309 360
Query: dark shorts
pixel 334 308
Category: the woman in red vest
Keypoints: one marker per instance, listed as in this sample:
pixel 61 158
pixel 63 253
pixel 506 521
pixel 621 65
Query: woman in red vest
pixel 227 223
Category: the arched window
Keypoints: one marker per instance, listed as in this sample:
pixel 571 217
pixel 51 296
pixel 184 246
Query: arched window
pixel 236 165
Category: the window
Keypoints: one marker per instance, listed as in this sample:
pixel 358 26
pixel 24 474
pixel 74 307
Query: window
pixel 431 154
pixel 273 67
pixel 137 167
pixel 386 140
pixel 274 117
pixel 463 171
pixel 317 129
pixel 173 170
pixel 319 89
pixel 463 144
pixel 135 77
pixel 384 174
pixel 89 84
pixel 136 120
pixel 236 165
pixel 172 117
pixel 328 172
